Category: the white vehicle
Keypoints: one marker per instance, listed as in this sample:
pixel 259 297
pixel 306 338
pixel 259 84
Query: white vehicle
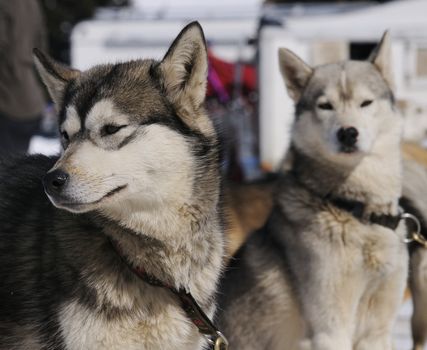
pixel 319 34
pixel 321 39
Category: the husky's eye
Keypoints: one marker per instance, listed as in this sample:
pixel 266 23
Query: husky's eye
pixel 365 103
pixel 325 106
pixel 65 136
pixel 111 129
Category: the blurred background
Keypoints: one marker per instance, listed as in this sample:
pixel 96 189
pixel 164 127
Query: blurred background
pixel 246 95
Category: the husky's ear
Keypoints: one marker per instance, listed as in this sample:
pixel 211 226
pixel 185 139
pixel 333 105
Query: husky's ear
pixel 295 72
pixel 381 58
pixel 54 75
pixel 184 68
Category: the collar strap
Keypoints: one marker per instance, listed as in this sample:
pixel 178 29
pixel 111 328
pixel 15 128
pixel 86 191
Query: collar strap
pixel 188 304
pixel 357 208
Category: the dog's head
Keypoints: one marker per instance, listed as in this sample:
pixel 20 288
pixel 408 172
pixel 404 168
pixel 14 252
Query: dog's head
pixel 132 133
pixel 342 109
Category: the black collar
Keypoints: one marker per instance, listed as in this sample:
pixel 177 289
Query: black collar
pixel 416 228
pixel 193 311
pixel 357 209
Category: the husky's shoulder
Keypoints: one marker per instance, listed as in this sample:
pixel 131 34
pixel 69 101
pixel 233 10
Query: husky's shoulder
pixel 23 169
pixel 21 181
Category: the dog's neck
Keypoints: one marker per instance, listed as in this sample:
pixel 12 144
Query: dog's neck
pixel 174 244
pixel 375 180
pixel 179 243
pixel 317 176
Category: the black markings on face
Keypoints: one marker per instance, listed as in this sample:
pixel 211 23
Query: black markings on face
pixel 93 93
pixel 142 98
pixel 307 101
pixel 202 145
pixel 127 140
pixel 69 93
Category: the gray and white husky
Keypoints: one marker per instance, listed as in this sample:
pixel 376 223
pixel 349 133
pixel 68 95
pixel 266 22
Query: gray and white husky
pixel 139 167
pixel 329 269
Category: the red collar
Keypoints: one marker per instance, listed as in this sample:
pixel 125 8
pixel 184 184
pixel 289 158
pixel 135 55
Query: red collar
pixel 188 304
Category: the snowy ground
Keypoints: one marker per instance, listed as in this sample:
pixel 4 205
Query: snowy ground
pixel 44 145
pixel 402 331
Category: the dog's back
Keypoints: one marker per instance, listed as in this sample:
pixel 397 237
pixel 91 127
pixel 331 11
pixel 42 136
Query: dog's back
pixel 37 257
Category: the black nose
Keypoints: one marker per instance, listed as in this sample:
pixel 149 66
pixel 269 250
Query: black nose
pixel 347 136
pixel 55 180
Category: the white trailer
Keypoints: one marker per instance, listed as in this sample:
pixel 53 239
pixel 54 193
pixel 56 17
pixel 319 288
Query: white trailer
pixel 318 34
pixel 147 28
pixel 321 38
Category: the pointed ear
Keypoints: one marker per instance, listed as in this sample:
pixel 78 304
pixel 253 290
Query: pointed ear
pixel 54 75
pixel 381 58
pixel 295 72
pixel 184 68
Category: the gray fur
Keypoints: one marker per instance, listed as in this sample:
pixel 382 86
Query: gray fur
pixel 415 190
pixel 152 186
pixel 316 276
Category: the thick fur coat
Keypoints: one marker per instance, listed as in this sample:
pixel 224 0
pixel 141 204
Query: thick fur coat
pixel 316 276
pixel 140 167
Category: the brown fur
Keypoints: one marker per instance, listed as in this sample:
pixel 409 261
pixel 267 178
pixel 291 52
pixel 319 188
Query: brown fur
pixel 247 209
pixel 415 152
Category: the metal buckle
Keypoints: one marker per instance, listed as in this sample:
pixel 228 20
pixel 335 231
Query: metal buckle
pixel 219 342
pixel 416 235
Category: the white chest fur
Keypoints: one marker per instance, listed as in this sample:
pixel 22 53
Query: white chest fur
pixel 84 329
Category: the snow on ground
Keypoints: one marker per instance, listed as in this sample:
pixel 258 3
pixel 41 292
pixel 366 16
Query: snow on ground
pixel 402 330
pixel 44 145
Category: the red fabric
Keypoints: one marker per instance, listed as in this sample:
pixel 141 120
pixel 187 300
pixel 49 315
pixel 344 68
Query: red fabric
pixel 226 73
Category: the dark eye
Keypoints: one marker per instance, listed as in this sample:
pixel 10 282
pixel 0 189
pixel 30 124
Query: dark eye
pixel 325 106
pixel 365 103
pixel 65 136
pixel 111 129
